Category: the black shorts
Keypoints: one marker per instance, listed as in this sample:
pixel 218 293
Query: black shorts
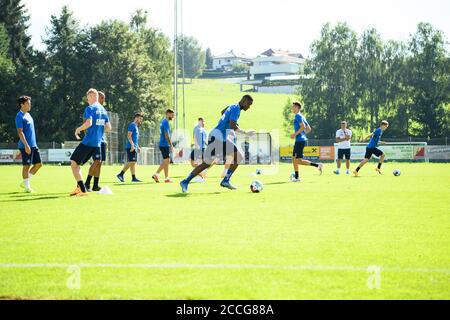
pixel 132 156
pixel 298 149
pixel 197 154
pixel 165 152
pixel 344 152
pixel 219 149
pixel 373 151
pixel 100 154
pixel 83 153
pixel 33 158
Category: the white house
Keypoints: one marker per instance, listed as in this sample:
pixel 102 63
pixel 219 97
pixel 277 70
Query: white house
pixel 275 66
pixel 227 60
pixel 276 63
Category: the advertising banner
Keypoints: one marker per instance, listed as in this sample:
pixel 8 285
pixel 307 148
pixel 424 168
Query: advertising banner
pixel 326 153
pixel 6 156
pixel 438 152
pixel 59 155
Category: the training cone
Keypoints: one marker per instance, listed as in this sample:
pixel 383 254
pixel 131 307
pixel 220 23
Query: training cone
pixel 105 190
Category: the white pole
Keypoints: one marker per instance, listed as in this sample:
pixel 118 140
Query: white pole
pixel 175 65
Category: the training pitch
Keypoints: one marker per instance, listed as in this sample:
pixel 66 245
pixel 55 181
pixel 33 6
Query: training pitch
pixel 328 237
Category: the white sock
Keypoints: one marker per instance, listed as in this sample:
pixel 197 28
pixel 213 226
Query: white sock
pixel 30 175
pixel 26 182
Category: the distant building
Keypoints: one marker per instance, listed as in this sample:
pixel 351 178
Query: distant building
pixel 275 71
pixel 227 60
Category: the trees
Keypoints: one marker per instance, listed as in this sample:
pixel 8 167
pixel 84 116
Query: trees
pixel 328 88
pixel 429 81
pixel 208 59
pixel 194 56
pixel 366 80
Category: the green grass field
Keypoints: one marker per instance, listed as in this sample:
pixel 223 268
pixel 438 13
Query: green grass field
pixel 311 240
pixel 207 98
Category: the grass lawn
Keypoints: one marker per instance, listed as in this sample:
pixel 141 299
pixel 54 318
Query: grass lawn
pixel 311 240
pixel 207 98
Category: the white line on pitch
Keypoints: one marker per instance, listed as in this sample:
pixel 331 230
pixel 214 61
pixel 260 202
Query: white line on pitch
pixel 220 266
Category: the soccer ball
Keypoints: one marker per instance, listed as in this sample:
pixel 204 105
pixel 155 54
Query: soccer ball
pixel 258 171
pixel 256 186
pixel 396 172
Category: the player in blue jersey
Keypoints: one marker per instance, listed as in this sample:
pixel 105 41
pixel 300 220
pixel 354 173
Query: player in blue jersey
pixel 200 139
pixel 220 144
pixel 372 148
pixel 301 128
pixel 99 157
pixel 96 122
pixel 27 143
pixel 165 146
pixel 132 148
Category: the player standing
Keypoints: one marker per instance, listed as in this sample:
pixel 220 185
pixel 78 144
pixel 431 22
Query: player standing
pixel 132 148
pixel 301 127
pixel 165 146
pixel 96 122
pixel 27 142
pixel 343 137
pixel 219 143
pixel 372 149
pixel 98 157
pixel 200 137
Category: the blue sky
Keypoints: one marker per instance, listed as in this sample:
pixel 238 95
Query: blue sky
pixel 252 26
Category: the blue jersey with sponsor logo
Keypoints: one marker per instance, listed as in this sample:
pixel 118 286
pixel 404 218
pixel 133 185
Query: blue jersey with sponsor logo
pixel 164 128
pixel 133 128
pixel 232 113
pixel 298 120
pixel 373 143
pixel 99 117
pixel 25 122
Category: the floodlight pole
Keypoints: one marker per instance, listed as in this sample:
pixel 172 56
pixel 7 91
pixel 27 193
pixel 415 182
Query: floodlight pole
pixel 175 65
pixel 182 64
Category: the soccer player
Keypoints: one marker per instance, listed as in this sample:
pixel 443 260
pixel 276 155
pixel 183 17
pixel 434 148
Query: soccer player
pixel 96 122
pixel 219 144
pixel 343 137
pixel 165 146
pixel 98 157
pixel 372 149
pixel 132 147
pixel 301 128
pixel 27 142
pixel 199 146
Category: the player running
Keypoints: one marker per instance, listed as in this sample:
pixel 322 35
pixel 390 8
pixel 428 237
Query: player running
pixel 372 149
pixel 98 157
pixel 96 122
pixel 27 143
pixel 301 128
pixel 219 143
pixel 165 146
pixel 132 148
pixel 343 137
pixel 200 137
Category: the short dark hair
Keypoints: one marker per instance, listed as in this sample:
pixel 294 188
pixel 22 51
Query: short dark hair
pixel 248 97
pixel 102 94
pixel 200 119
pixel 22 99
pixel 384 123
pixel 138 115
pixel 170 111
pixel 298 104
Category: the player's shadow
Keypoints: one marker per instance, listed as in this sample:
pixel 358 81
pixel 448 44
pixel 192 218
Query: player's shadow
pixel 277 183
pixel 184 195
pixel 27 195
pixel 33 199
pixel 119 184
